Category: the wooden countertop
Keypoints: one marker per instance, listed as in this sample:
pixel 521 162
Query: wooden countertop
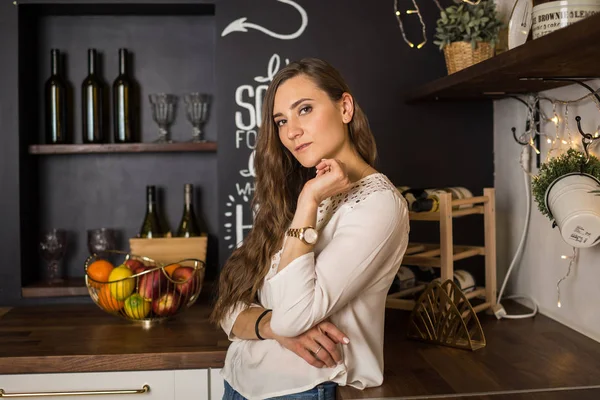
pixel 521 355
pixel 83 338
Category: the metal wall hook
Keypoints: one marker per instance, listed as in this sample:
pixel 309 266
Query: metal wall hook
pixel 514 132
pixel 527 124
pixel 587 138
pixel 534 112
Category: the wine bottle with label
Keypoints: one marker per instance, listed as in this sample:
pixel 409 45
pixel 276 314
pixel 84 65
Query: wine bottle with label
pixel 151 226
pixel 123 103
pixel 57 129
pixel 188 227
pixel 92 103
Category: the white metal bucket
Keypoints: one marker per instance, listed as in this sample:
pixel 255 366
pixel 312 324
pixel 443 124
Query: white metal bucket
pixel 576 211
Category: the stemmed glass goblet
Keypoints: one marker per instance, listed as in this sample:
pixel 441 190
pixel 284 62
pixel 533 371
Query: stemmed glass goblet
pixel 163 113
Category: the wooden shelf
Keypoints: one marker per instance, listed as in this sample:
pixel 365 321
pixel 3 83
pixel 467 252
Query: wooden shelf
pixel 122 148
pixel 568 52
pixel 429 255
pixel 71 287
pixel 435 216
pixel 456 212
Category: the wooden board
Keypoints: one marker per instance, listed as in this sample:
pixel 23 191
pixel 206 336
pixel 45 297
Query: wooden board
pixel 568 52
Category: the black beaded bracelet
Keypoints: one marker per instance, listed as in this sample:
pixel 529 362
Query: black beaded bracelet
pixel 258 321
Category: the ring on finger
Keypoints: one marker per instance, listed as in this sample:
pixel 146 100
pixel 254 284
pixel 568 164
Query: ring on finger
pixel 318 350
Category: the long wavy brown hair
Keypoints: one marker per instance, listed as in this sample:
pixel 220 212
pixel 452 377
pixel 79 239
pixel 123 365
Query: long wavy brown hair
pixel 279 180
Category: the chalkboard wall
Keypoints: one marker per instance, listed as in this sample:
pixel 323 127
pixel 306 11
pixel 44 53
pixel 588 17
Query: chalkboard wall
pixel 426 145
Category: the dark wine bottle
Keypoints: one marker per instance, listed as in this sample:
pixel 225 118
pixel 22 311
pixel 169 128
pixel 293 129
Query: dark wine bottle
pixel 123 107
pixel 151 227
pixel 57 130
pixel 188 227
pixel 92 101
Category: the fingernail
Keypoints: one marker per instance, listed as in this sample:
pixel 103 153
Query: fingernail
pixel 346 340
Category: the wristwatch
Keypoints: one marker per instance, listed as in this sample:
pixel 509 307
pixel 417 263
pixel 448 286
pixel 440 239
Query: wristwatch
pixel 308 234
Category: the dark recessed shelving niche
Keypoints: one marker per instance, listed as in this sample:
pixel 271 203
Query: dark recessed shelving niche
pixel 172 46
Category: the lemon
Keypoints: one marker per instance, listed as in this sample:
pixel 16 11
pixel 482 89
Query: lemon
pixel 124 287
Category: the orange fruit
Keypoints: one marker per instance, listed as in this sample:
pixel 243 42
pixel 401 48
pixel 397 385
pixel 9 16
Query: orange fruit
pixel 99 271
pixel 170 268
pixel 107 302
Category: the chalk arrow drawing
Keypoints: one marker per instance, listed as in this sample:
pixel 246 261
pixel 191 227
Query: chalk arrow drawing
pixel 240 25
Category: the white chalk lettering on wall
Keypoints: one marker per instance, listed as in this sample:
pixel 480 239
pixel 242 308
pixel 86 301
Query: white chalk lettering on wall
pixel 248 119
pixel 241 25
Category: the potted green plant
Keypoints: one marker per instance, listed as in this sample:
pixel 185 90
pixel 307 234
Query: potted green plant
pixel 467 33
pixel 565 190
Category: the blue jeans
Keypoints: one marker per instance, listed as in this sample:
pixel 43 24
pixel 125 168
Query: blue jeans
pixel 323 391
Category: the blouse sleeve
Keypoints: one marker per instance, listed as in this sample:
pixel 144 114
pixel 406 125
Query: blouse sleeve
pixel 307 291
pixel 229 320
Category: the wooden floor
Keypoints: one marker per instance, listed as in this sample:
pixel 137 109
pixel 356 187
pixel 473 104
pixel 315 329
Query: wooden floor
pixel 524 359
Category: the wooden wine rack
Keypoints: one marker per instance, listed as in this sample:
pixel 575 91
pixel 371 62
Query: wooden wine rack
pixel 444 254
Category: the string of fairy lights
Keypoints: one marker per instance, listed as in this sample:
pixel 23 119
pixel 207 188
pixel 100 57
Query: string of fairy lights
pixel 416 10
pixel 556 141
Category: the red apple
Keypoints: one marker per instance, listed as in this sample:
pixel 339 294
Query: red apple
pixel 165 305
pixel 139 269
pixel 132 264
pixel 187 279
pixel 152 284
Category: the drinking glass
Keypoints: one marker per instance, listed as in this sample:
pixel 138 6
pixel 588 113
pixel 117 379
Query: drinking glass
pixel 163 113
pixel 196 106
pixel 52 246
pixel 101 239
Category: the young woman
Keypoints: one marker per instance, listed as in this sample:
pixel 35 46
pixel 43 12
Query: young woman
pixel 303 298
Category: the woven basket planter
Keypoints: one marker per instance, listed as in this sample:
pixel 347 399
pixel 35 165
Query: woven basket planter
pixel 460 55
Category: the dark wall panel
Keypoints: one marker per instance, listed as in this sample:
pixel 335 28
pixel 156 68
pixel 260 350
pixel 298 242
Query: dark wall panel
pixel 10 243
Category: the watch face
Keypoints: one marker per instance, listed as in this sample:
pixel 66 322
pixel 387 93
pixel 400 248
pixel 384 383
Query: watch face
pixel 311 235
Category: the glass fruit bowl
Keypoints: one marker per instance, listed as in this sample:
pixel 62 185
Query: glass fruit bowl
pixel 141 289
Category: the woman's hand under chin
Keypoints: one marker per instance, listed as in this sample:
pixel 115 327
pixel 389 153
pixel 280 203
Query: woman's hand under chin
pixel 332 178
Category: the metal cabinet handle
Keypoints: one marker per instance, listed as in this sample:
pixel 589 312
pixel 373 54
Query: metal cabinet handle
pixel 144 389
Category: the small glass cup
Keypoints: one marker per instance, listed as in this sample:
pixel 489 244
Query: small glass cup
pixel 163 113
pixel 52 247
pixel 101 239
pixel 196 106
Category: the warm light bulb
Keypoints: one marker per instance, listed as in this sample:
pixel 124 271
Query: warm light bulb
pixel 564 141
pixel 554 119
pixel 397 12
pixel 564 257
pixel 549 140
pixel 559 305
pixel 421 45
pixel 410 44
pixel 596 134
pixel 411 11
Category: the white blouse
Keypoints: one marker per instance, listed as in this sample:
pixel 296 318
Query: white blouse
pixel 363 237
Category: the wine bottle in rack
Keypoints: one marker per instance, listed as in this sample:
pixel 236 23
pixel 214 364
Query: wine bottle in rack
pixel 151 226
pixel 188 227
pixel 123 103
pixel 55 97
pixel 92 102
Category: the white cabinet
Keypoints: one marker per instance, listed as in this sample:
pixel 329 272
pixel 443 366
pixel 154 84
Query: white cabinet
pixel 161 383
pixel 216 384
pixel 192 384
pixel 185 384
